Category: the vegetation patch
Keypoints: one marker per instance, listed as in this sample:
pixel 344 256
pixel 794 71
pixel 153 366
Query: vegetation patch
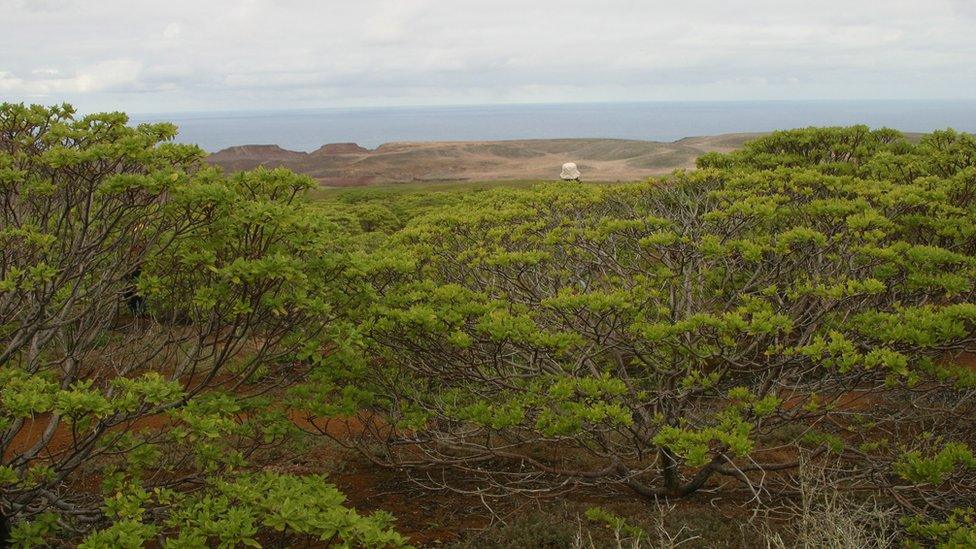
pixel 172 334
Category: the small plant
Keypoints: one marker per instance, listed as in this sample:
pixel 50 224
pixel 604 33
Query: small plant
pixel 956 530
pixel 623 531
pixel 532 530
pixel 237 513
pixel 823 517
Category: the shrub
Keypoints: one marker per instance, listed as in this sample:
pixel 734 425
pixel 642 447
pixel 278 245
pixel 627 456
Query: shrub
pixel 231 286
pixel 533 530
pixel 794 299
pixel 823 516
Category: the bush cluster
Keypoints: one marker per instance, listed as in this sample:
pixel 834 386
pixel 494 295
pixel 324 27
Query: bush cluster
pixel 163 325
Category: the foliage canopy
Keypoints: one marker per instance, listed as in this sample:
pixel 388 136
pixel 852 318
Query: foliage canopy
pixel 109 416
pixel 805 296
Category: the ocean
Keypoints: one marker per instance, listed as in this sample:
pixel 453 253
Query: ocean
pixel 307 129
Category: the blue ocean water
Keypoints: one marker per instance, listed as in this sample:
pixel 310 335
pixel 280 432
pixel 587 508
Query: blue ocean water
pixel 306 130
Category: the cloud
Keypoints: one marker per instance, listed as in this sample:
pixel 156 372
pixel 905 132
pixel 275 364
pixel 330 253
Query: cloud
pixel 35 5
pixel 172 31
pixel 232 54
pixel 117 74
pixel 112 75
pixel 391 22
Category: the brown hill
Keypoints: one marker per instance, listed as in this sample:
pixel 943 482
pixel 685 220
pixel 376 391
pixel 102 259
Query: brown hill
pixel 246 157
pixel 343 164
pixel 340 148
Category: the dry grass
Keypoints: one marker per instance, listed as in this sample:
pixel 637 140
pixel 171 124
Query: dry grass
pixel 822 516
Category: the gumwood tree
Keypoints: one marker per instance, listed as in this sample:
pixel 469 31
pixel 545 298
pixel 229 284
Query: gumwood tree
pixel 804 297
pixel 143 421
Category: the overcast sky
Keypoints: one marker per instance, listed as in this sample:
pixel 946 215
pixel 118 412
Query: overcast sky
pixel 174 55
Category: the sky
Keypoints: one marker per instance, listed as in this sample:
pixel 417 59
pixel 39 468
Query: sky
pixel 219 55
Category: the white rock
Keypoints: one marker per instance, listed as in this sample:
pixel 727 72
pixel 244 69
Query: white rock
pixel 570 172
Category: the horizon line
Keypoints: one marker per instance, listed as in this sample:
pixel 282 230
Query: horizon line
pixel 530 104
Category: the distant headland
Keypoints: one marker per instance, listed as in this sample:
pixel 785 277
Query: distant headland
pixel 348 164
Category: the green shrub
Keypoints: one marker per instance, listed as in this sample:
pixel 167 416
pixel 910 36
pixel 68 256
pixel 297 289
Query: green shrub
pixel 148 304
pixel 797 297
